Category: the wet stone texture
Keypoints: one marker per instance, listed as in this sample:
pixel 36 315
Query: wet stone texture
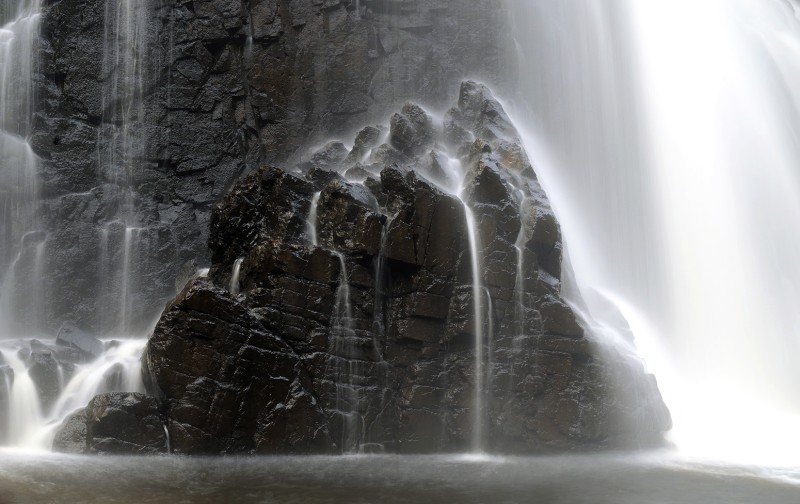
pixel 225 86
pixel 118 423
pixel 367 340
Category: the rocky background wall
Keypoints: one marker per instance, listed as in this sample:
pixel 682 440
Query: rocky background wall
pixel 135 155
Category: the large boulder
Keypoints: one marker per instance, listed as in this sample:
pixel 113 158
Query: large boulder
pixel 370 338
pixel 114 424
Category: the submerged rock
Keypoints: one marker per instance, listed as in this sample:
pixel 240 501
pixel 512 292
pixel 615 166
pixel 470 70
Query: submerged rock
pixel 114 424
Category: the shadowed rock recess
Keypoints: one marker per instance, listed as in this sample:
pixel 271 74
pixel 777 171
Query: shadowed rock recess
pixel 339 316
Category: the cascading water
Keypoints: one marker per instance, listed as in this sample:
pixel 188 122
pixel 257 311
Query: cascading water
pixel 665 134
pixel 121 146
pixel 44 380
pixel 21 245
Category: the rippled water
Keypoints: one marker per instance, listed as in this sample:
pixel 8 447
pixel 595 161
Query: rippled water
pixel 653 478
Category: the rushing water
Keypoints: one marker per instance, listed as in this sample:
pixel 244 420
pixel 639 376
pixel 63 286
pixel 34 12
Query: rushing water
pixel 666 135
pixel 32 422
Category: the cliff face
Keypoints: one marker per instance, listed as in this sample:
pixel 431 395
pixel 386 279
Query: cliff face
pixel 340 313
pixel 147 116
pixel 402 294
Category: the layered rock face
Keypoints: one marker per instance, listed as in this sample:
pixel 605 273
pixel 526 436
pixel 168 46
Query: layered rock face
pixel 149 111
pixel 402 295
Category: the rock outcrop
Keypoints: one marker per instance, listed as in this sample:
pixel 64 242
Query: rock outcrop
pixel 351 321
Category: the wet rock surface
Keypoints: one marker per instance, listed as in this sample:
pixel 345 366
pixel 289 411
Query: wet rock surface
pixel 224 87
pixel 118 423
pixel 355 329
pixel 229 384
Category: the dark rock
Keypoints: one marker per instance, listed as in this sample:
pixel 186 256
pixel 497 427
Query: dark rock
pixel 329 157
pixel 72 436
pixel 348 219
pixel 44 373
pixel 411 131
pixel 228 384
pixel 114 424
pixel 270 205
pixel 357 174
pixel 366 140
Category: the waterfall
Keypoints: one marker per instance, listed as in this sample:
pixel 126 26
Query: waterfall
pixel 121 146
pixel 21 245
pixel 46 379
pixel 665 134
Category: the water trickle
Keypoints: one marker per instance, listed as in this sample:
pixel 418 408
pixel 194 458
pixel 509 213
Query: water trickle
pixel 478 321
pixel 237 269
pixel 128 247
pixel 125 61
pixel 311 221
pixel 122 140
pixel 345 364
pixel 166 436
pixel 454 183
pixel 519 281
pixel 19 259
pixel 379 316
